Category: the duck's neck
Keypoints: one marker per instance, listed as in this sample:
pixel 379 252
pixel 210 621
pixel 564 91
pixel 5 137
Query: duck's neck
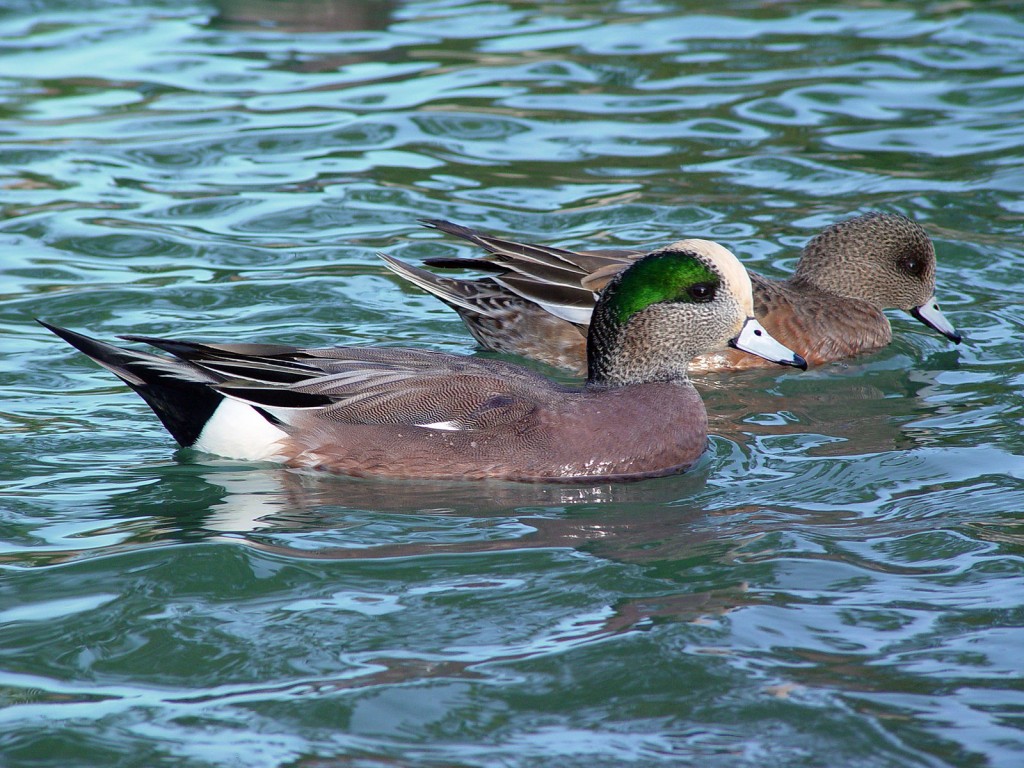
pixel 619 359
pixel 602 341
pixel 807 279
pixel 818 269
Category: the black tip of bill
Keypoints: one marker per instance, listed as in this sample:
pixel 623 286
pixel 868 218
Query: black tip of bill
pixel 929 314
pixel 796 362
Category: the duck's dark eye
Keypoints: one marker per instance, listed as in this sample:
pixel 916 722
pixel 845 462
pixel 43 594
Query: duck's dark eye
pixel 912 265
pixel 702 292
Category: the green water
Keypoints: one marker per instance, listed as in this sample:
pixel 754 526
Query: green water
pixel 840 582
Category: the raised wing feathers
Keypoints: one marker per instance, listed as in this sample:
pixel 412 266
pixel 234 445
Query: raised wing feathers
pixel 562 282
pixel 520 256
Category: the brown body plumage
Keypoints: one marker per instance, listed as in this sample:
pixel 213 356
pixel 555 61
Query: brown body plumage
pixel 548 433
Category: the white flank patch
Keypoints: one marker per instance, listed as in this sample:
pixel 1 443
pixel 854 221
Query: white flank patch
pixel 445 426
pixel 237 431
pixel 578 315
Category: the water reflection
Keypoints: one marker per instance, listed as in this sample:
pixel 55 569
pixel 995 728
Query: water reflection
pixel 849 545
pixel 464 517
pixel 345 19
pixel 309 514
pixel 696 562
pixel 770 436
pixel 306 16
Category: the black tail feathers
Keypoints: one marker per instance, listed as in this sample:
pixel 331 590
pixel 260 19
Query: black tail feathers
pixel 179 393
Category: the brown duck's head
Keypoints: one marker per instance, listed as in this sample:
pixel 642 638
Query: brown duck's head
pixel 884 259
pixel 680 301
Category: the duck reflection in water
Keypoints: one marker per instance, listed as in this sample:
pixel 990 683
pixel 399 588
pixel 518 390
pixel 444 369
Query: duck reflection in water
pixel 306 16
pixel 311 17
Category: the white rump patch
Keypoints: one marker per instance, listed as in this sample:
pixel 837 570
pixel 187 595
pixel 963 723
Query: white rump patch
pixel 237 431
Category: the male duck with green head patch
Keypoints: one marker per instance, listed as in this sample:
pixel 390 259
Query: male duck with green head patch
pixel 370 411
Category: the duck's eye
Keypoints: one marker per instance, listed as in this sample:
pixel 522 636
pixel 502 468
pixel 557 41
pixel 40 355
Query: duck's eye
pixel 912 265
pixel 702 292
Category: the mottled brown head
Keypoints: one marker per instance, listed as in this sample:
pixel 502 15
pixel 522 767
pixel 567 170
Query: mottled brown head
pixel 884 259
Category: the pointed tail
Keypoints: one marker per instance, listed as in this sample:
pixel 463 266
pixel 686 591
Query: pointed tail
pixel 460 295
pixel 178 392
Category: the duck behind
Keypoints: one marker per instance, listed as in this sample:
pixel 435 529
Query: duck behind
pixel 537 300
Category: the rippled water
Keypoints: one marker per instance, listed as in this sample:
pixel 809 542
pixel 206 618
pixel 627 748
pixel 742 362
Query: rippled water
pixel 840 581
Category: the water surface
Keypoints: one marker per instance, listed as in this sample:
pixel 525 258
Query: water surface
pixel 840 580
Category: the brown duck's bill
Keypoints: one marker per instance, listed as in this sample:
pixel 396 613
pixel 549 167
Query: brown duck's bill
pixel 753 338
pixel 930 314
